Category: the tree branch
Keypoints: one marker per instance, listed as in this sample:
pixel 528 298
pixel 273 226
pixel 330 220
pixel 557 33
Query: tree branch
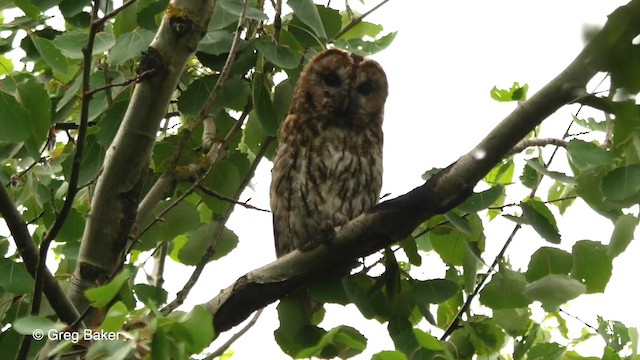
pixel 358 20
pixel 218 352
pixel 114 206
pixel 394 219
pixel 527 143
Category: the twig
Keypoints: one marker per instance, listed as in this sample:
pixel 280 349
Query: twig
pixel 456 321
pixel 204 260
pixel 115 12
pixel 219 196
pixel 501 207
pixel 137 78
pixel 218 352
pixel 70 126
pixel 580 320
pixel 527 143
pixel 358 20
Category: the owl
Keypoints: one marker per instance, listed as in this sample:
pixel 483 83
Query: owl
pixel 328 166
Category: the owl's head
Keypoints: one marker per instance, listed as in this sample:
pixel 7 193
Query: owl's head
pixel 342 87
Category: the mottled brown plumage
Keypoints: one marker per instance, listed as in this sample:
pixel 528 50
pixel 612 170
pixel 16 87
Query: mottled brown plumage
pixel 328 166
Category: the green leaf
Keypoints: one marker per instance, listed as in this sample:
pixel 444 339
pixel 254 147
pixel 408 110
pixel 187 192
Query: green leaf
pixel 307 11
pixel 33 97
pixel 541 219
pixel 433 291
pixel 15 120
pixel 547 351
pixel 554 290
pixel 28 324
pixel 427 341
pixel 279 55
pixel 125 21
pixel 263 106
pixel 410 249
pixel 584 154
pixel 504 291
pixel 102 295
pixel 591 265
pixel 482 200
pixel 449 244
pixel 389 355
pixel 6 66
pixel 216 42
pixel 329 289
pixel 589 188
pixel 180 219
pixel 199 241
pixel 530 177
pixel 363 47
pixel 235 7
pixel 45 5
pixel 341 342
pixel 623 184
pixel 622 235
pixel 28 8
pixel 114 320
pixel 15 278
pixel 331 20
pixel 486 337
pixel 459 222
pixel 356 288
pixel 71 43
pixel 199 324
pixel 295 332
pixel 160 345
pixel 558 176
pixel 150 295
pixel 546 261
pixel 591 124
pixel 361 30
pixel 501 174
pixel 62 70
pixel 401 332
pixel 233 95
pixel 627 122
pixel 130 45
pixel 515 93
pixel 514 321
pixel 559 191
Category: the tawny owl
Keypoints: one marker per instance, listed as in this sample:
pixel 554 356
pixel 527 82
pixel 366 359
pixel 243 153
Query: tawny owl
pixel 328 165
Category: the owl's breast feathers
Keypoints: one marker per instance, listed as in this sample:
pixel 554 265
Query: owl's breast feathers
pixel 324 175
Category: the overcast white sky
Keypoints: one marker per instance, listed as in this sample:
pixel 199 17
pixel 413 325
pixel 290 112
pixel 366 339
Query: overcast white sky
pixel 444 61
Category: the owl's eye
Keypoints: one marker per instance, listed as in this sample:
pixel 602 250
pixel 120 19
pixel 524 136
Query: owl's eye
pixel 332 80
pixel 366 88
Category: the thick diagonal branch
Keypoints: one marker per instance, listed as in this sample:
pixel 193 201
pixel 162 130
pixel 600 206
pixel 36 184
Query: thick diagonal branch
pixel 392 220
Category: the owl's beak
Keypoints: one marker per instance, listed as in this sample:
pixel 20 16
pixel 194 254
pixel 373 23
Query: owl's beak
pixel 344 103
